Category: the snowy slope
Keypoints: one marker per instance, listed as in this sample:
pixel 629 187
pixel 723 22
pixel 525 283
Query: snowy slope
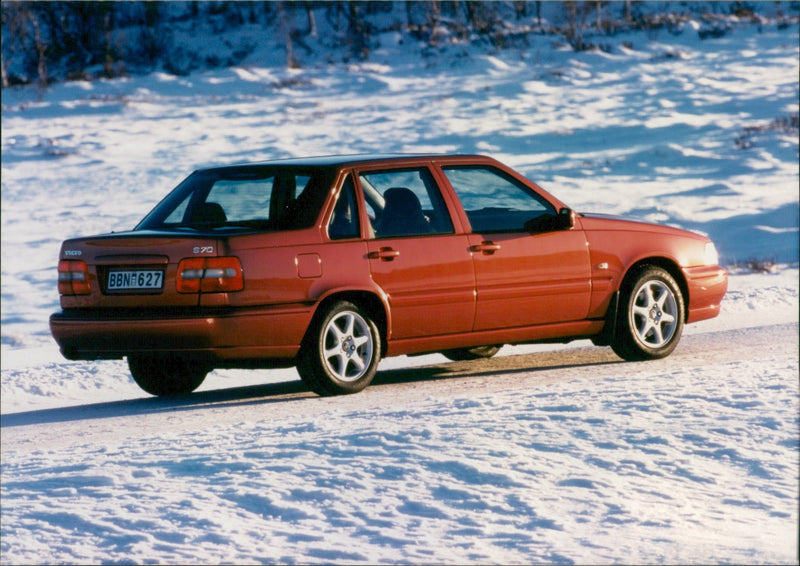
pixel 676 461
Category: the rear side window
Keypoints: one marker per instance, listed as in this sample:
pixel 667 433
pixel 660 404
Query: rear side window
pixel 495 202
pixel 404 202
pixel 243 199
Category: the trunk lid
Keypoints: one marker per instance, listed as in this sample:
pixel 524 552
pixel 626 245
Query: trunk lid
pixel 136 269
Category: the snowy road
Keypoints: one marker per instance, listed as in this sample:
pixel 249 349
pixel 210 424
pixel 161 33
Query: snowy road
pixel 559 457
pixel 274 402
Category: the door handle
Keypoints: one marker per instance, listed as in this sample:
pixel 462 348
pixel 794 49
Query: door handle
pixel 384 254
pixel 486 247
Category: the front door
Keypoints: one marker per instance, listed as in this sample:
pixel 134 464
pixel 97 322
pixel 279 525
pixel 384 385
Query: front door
pixel 528 271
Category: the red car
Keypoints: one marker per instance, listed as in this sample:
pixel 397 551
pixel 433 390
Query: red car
pixel 331 263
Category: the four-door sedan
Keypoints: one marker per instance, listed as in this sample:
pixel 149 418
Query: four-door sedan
pixel 331 263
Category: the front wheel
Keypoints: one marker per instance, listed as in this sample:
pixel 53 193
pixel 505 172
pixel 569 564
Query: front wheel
pixel 650 317
pixel 167 375
pixel 341 351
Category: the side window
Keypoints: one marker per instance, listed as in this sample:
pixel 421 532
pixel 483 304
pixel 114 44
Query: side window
pixel 404 202
pixel 495 202
pixel 344 222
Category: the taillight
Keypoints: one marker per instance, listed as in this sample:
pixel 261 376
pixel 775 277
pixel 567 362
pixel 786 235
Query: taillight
pixel 210 275
pixel 73 277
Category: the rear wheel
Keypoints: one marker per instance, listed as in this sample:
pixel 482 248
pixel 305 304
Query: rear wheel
pixel 476 353
pixel 650 316
pixel 341 351
pixel 167 375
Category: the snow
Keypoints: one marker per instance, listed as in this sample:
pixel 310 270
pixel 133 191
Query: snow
pixel 690 459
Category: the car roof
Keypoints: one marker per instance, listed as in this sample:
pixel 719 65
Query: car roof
pixel 343 160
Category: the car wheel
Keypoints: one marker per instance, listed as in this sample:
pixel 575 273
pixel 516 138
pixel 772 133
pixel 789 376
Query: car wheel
pixel 341 351
pixel 476 353
pixel 167 375
pixel 650 316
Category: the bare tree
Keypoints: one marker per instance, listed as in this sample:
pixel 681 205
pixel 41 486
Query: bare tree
pixel 358 30
pixel 108 51
pixel 481 16
pixel 599 14
pixel 576 21
pixel 312 22
pixel 433 13
pixel 409 6
pixel 14 21
pixel 520 9
pixel 41 49
pixel 286 31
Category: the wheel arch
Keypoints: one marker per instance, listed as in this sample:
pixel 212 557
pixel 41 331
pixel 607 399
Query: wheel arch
pixel 370 301
pixel 668 265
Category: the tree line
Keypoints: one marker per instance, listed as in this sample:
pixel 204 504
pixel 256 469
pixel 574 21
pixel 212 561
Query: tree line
pixel 43 42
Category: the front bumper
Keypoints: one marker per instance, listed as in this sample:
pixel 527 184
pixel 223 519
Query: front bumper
pixel 706 286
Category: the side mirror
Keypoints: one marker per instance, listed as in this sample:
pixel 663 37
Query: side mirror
pixel 566 219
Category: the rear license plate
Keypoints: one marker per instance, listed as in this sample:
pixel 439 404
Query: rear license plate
pixel 139 280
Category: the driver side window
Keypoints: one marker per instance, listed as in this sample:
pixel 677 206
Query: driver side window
pixel 495 202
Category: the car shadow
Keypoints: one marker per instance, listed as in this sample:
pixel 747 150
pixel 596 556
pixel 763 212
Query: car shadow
pixel 295 390
pixel 504 365
pixel 272 392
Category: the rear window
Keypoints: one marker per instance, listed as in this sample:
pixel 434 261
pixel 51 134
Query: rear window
pixel 231 199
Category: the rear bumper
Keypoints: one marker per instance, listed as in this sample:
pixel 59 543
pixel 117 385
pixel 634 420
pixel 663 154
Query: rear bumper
pixel 274 333
pixel 707 286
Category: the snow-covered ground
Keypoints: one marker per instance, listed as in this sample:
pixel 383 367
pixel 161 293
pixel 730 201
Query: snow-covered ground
pixel 693 459
pixel 643 463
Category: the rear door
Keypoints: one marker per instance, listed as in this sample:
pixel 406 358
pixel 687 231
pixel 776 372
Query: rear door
pixel 415 255
pixel 528 272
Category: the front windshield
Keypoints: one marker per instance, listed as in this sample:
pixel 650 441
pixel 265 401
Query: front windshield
pixel 243 198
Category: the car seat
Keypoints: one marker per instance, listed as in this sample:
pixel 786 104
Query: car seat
pixel 402 214
pixel 208 213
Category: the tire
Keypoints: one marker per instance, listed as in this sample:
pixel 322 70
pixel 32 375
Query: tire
pixel 467 354
pixel 650 318
pixel 341 351
pixel 164 376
